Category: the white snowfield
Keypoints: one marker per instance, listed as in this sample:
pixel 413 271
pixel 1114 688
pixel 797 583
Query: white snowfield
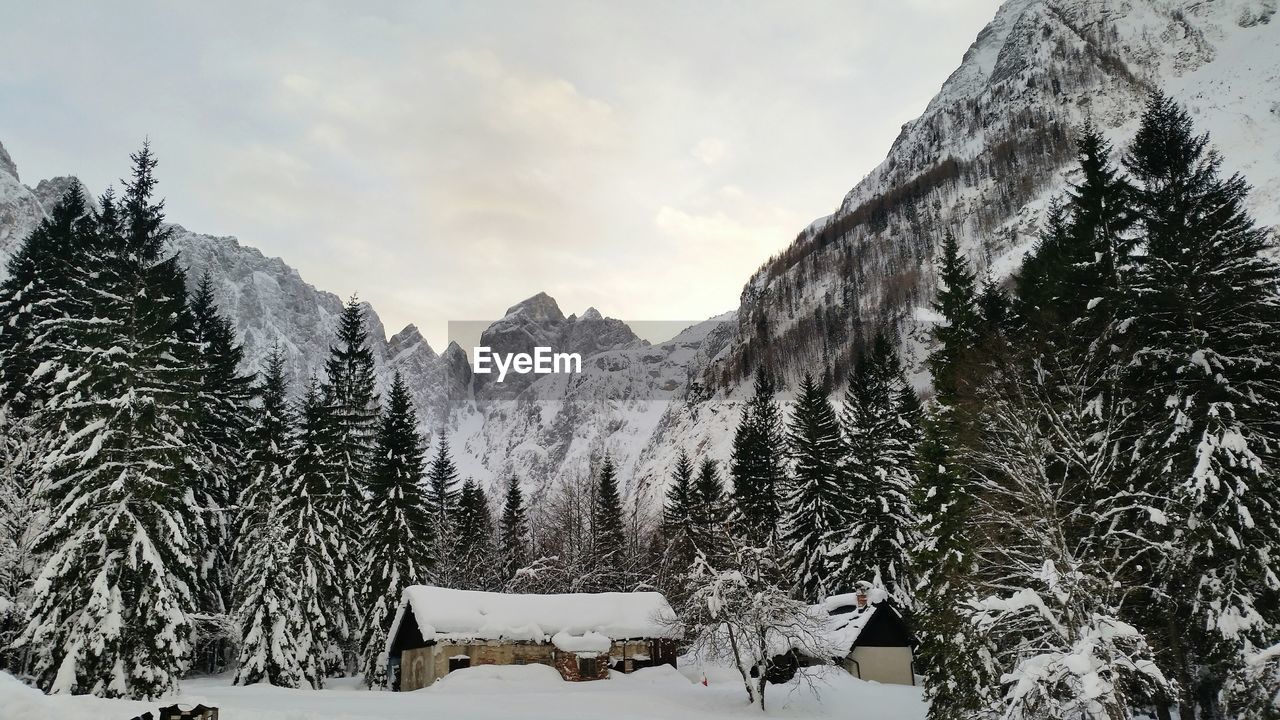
pixel 530 692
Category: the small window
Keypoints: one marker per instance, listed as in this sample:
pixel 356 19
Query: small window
pixel 459 662
pixel 587 667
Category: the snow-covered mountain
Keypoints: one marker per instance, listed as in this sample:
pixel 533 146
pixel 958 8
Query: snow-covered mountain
pixel 982 161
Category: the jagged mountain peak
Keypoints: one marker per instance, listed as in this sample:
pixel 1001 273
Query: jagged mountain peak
pixel 409 339
pixel 541 309
pixel 6 164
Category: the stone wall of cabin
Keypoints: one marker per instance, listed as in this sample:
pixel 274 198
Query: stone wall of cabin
pixel 423 666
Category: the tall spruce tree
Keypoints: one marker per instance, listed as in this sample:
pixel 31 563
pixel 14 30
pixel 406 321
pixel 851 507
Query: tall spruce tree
pixel 267 583
pixel 882 531
pixel 608 541
pixel 222 410
pixel 957 302
pixel 310 510
pixel 513 550
pixel 758 465
pixel 818 502
pixel 473 538
pixel 677 516
pixel 351 397
pixel 274 632
pixel 40 286
pixel 111 610
pixel 442 504
pixel 950 648
pixel 399 528
pixel 709 512
pixel 1204 372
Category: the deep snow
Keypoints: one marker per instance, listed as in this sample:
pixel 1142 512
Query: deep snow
pixel 500 693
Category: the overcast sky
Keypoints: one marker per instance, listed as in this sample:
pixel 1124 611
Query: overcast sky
pixel 448 159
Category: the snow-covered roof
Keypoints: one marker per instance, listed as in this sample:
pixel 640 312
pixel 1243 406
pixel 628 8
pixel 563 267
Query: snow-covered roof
pixel 444 614
pixel 844 628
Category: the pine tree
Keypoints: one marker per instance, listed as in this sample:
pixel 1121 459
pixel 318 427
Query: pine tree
pixel 709 512
pixel 267 444
pixel 1097 255
pixel 882 531
pixel 677 516
pixel 950 649
pixel 993 307
pixel 274 631
pixel 111 612
pixel 267 584
pixel 399 528
pixel 309 510
pixel 40 287
pixel 608 542
pixel 352 400
pixel 817 505
pixel 757 465
pixel 1204 326
pixel 472 538
pixel 957 303
pixel 513 552
pixel 22 518
pixel 223 416
pixel 442 505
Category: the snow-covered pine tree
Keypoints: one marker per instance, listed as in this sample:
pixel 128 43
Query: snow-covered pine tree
pixel 222 415
pixel 473 539
pixel 1095 260
pixel 677 520
pixel 275 634
pixel 36 290
pixel 513 548
pixel 1205 326
pixel 608 543
pixel 442 504
pixel 758 466
pixel 399 528
pixel 708 513
pixel 111 610
pixel 268 594
pixel 41 277
pixel 268 443
pixel 818 501
pixel 882 532
pixel 309 510
pixel 351 395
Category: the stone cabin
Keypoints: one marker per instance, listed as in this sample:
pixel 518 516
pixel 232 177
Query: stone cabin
pixel 870 637
pixel 581 635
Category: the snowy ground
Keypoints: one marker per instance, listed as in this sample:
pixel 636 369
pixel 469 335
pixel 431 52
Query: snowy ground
pixel 491 693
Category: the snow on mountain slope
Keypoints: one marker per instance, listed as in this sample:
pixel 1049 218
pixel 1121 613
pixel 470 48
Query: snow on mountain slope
pixel 982 161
